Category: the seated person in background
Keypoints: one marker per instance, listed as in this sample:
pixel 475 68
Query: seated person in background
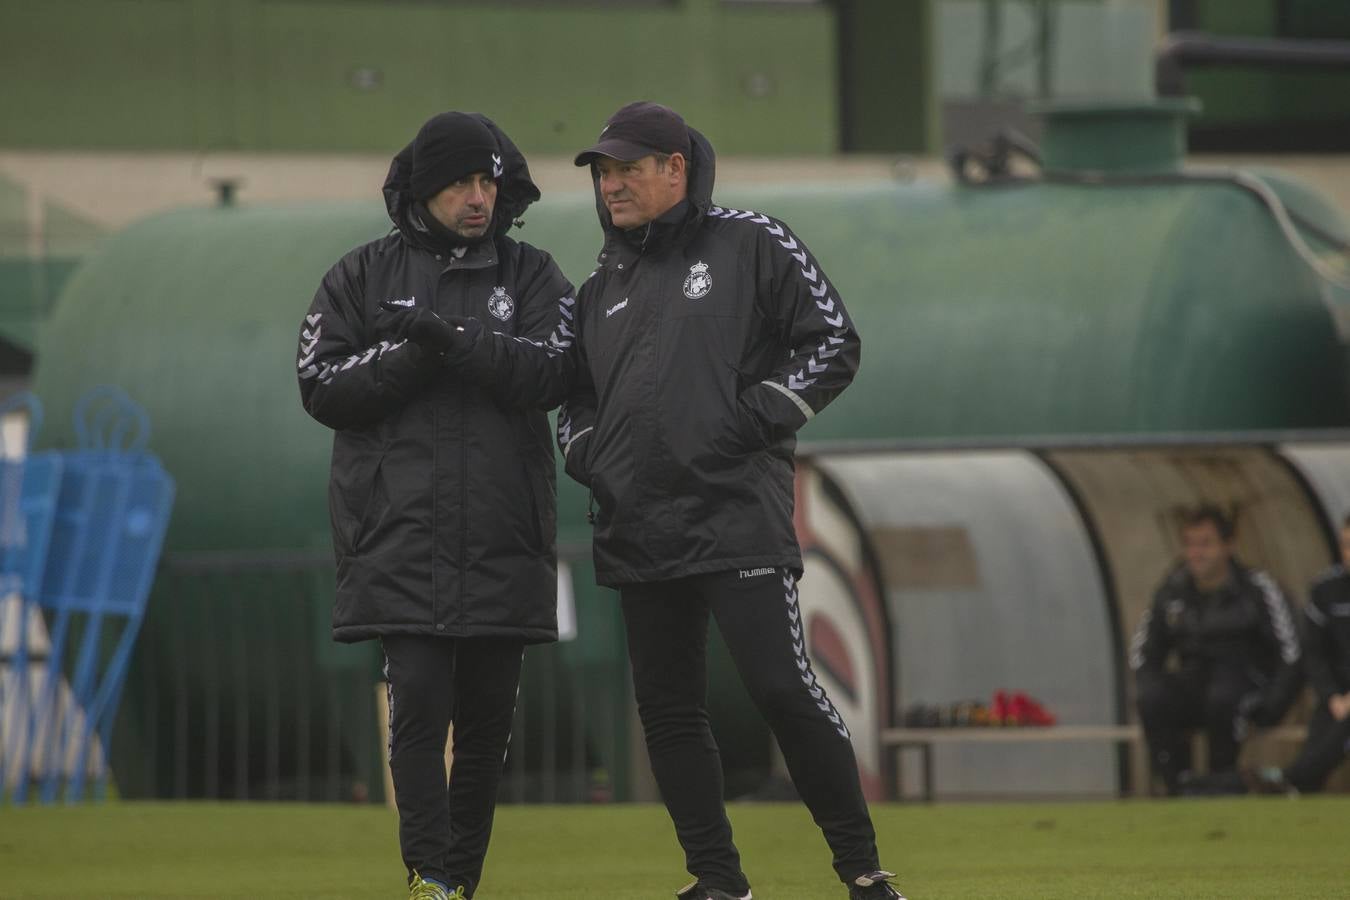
pixel 1326 657
pixel 1217 650
pixel 1326 648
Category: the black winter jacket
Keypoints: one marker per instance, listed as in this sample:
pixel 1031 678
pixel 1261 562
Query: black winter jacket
pixel 1326 630
pixel 1245 626
pixel 442 494
pixel 702 344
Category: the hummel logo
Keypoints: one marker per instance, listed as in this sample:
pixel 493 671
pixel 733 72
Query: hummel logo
pixel 616 307
pixel 411 301
pixel 755 573
pixel 496 166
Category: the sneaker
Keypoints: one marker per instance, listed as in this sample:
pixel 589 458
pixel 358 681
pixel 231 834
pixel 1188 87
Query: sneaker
pixel 1000 711
pixel 874 886
pixel 699 891
pixel 1268 780
pixel 421 889
pixel 1029 711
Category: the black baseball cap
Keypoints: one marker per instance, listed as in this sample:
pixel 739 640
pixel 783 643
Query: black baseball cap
pixel 637 130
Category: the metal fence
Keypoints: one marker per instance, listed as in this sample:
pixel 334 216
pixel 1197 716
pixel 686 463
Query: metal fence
pixel 237 691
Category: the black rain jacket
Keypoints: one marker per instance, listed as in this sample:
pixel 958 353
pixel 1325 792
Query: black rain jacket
pixel 1326 630
pixel 703 342
pixel 1244 626
pixel 442 494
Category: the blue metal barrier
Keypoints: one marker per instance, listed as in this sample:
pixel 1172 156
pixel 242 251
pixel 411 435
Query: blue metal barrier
pixel 105 507
pixel 28 488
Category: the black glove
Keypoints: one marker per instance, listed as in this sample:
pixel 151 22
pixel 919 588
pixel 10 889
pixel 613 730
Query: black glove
pixel 467 331
pixel 448 337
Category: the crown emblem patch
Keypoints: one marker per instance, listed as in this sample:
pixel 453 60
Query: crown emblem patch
pixel 500 304
pixel 699 281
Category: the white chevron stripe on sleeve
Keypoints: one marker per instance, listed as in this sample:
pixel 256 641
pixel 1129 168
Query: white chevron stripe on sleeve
pixel 1137 642
pixel 819 287
pixel 1279 617
pixel 568 446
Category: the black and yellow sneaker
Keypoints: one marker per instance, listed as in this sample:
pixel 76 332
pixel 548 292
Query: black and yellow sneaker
pixel 874 886
pixel 421 889
pixel 699 891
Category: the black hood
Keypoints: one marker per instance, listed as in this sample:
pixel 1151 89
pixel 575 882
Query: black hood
pixel 702 171
pixel 515 192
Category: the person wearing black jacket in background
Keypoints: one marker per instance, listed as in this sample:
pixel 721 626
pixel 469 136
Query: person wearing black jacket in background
pixel 705 338
pixel 1326 650
pixel 1326 660
pixel 1326 655
pixel 441 493
pixel 1216 650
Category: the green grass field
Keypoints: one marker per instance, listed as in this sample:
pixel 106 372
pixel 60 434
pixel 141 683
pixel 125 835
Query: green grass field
pixel 1248 848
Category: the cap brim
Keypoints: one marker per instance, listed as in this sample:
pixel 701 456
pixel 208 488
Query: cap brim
pixel 614 148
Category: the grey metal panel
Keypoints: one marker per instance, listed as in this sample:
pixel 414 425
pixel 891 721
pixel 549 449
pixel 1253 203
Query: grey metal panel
pixel 1326 468
pixel 991 582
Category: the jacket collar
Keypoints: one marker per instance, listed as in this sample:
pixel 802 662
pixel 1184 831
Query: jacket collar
pixel 422 236
pixel 1237 575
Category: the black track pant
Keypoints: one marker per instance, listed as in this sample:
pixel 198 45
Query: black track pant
pixel 444 831
pixel 1328 745
pixel 1172 705
pixel 667 625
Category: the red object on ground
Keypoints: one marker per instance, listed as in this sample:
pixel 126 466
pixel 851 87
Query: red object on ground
pixel 1018 709
pixel 1001 709
pixel 1029 712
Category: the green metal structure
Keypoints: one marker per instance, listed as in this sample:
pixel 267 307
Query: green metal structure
pixel 346 75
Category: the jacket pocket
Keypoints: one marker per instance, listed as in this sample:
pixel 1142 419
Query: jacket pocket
pixel 735 435
pixel 352 504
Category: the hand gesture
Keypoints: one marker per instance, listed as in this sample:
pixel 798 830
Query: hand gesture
pixel 449 337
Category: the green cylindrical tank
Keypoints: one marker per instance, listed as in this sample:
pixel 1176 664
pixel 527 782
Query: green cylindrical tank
pixel 1064 309
pixel 1124 297
pixel 1078 304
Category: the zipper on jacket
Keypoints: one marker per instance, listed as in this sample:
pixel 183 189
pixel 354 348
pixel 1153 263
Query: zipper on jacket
pixel 463 509
pixel 590 505
pixel 435 507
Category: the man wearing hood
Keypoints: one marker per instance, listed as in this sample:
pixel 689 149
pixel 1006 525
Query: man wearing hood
pixel 705 338
pixel 441 495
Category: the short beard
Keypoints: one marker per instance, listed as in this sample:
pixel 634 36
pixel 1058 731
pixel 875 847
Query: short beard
pixel 472 240
pixel 444 235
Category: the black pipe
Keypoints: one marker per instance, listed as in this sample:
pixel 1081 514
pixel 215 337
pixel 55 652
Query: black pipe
pixel 1182 50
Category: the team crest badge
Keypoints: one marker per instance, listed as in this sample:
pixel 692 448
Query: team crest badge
pixel 1175 610
pixel 699 282
pixel 500 304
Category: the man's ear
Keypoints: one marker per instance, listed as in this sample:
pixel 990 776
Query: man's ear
pixel 679 167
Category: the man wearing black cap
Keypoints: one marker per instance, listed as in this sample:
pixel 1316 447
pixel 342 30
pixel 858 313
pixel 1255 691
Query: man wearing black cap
pixel 705 338
pixel 442 486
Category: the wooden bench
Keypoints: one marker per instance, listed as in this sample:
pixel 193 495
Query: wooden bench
pixel 923 739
